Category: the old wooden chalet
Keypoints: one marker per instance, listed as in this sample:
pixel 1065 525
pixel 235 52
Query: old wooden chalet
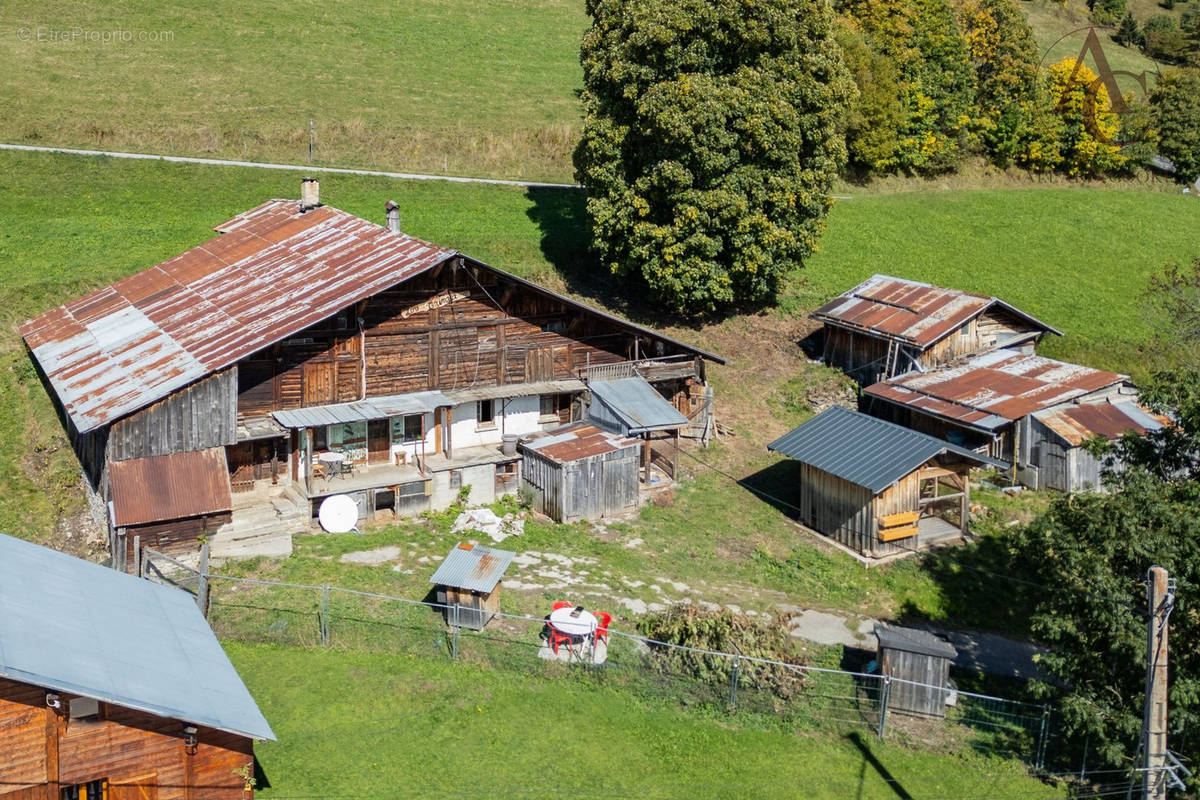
pixel 114 688
pixel 325 354
pixel 876 488
pixel 887 326
pixel 988 403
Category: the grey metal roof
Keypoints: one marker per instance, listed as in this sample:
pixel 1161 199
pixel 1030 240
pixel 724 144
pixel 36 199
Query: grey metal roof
pixel 394 405
pixel 473 567
pixel 911 640
pixel 864 450
pixel 77 627
pixel 636 405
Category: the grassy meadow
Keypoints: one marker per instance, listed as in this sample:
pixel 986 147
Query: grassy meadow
pixel 402 85
pixel 404 725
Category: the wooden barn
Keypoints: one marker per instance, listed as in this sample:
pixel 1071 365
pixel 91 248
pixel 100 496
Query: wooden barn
pixel 167 503
pixel 325 354
pixel 875 487
pixel 1057 456
pixel 921 661
pixel 581 471
pixel 887 326
pixel 468 584
pixel 114 688
pixel 987 403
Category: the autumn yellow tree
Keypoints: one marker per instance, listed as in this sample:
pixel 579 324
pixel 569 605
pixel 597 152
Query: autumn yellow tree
pixel 1089 129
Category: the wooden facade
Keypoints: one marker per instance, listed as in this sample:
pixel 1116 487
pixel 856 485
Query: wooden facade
pixel 590 486
pixel 131 754
pixel 921 663
pixel 926 506
pixel 869 357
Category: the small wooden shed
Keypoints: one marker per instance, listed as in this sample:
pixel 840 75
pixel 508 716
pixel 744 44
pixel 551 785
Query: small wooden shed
pixel 1058 458
pixel 580 471
pixel 468 584
pixel 167 503
pixel 876 487
pixel 921 661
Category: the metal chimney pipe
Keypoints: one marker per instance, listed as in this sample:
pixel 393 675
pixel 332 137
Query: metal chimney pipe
pixel 393 216
pixel 310 194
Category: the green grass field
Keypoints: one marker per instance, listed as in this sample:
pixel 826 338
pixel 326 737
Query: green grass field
pixel 408 85
pixel 413 725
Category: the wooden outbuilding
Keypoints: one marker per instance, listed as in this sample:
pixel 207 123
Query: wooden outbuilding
pixel 875 487
pixel 581 471
pixel 921 661
pixel 114 688
pixel 887 326
pixel 1058 458
pixel 468 584
pixel 167 503
pixel 632 407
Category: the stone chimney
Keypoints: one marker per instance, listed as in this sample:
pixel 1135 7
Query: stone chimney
pixel 310 194
pixel 393 216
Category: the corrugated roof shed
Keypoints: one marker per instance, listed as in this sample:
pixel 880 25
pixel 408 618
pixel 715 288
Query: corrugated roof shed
pixel 635 406
pixel 577 440
pixel 912 640
pixel 167 487
pixel 472 567
pixel 372 408
pixel 1076 424
pixel 917 313
pixel 864 450
pixel 993 389
pixel 78 627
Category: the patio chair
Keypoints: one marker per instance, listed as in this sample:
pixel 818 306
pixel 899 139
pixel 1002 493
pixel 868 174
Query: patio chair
pixel 556 638
pixel 561 604
pixel 602 620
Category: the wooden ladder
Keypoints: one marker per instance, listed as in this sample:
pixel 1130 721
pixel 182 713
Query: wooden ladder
pixel 893 357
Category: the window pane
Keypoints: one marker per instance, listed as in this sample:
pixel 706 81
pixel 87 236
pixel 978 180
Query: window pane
pixel 548 403
pixel 485 411
pixel 413 428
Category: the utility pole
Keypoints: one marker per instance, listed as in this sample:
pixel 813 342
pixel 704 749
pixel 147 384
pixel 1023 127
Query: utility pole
pixel 1161 599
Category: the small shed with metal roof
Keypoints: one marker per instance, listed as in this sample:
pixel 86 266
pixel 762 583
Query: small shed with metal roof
pixel 919 664
pixel 468 584
pixel 876 487
pixel 1058 457
pixel 632 407
pixel 167 503
pixel 581 471
pixel 107 680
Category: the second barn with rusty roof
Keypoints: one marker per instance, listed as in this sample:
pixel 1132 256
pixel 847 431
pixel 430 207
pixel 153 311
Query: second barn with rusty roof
pixel 886 326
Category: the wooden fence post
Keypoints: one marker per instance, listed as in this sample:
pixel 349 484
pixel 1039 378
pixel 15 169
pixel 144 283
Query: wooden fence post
pixel 137 556
pixel 202 585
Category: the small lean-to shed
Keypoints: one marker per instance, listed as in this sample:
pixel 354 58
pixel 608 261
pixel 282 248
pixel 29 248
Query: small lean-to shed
pixel 922 663
pixel 580 471
pixel 468 584
pixel 167 503
pixel 1058 458
pixel 878 488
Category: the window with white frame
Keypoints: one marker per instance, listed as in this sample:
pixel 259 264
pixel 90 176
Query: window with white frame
pixel 408 429
pixel 486 413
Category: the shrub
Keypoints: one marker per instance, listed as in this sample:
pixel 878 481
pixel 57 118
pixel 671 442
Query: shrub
pixel 1164 40
pixel 723 632
pixel 1108 12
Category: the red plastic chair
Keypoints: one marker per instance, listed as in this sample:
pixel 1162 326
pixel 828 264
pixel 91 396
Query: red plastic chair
pixel 602 620
pixel 557 638
pixel 561 604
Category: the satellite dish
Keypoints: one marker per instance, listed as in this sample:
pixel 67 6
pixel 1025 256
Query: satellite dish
pixel 338 514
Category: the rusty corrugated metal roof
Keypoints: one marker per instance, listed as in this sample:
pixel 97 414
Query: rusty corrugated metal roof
pixel 577 440
pixel 917 313
pixel 168 487
pixel 272 272
pixel 472 567
pixel 993 389
pixel 1076 424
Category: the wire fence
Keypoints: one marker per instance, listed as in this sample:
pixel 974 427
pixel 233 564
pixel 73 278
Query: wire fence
pixel 776 693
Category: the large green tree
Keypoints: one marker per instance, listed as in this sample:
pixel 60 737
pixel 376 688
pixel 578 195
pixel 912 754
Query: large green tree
pixel 712 136
pixel 1092 552
pixel 1175 111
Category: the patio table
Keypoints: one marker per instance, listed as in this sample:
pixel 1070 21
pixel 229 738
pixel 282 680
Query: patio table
pixel 333 462
pixel 578 627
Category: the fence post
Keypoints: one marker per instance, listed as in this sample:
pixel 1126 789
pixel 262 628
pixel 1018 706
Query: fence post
pixel 885 690
pixel 733 682
pixel 202 585
pixel 324 615
pixel 137 555
pixel 1040 759
pixel 454 639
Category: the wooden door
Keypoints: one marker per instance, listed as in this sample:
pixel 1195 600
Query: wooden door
pixel 319 385
pixel 379 441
